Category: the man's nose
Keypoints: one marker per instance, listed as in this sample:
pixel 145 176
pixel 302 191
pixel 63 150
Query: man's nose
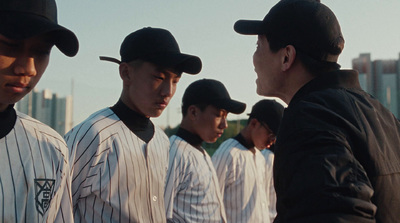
pixel 25 65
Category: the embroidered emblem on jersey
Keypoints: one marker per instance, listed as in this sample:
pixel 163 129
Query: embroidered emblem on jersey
pixel 44 192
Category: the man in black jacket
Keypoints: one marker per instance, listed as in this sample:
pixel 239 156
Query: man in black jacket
pixel 337 156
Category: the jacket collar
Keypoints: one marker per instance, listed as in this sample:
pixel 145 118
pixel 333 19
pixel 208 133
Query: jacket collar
pixel 334 79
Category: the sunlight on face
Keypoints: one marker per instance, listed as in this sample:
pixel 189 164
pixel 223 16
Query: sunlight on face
pixel 150 89
pixel 211 123
pixel 22 64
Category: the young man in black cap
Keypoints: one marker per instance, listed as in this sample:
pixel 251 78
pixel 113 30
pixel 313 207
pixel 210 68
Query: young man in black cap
pixel 241 168
pixel 192 191
pixel 337 156
pixel 119 158
pixel 34 166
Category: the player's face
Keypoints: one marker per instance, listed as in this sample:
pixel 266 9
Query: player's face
pixel 262 136
pixel 211 123
pixel 22 64
pixel 150 89
pixel 266 65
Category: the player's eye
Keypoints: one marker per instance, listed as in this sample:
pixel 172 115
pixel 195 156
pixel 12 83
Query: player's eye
pixel 158 77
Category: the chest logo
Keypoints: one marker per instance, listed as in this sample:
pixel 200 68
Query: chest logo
pixel 44 192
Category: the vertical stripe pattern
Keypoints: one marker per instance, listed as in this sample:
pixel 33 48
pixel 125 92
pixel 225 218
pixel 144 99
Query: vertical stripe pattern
pixel 192 189
pixel 241 175
pixel 269 159
pixel 113 180
pixel 34 177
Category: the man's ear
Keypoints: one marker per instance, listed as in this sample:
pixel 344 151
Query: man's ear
pixel 289 56
pixel 124 73
pixel 253 122
pixel 192 112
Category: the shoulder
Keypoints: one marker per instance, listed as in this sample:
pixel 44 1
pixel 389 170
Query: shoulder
pixel 180 149
pixel 97 122
pixel 267 153
pixel 230 144
pixel 160 134
pixel 229 147
pixel 32 133
pixel 37 129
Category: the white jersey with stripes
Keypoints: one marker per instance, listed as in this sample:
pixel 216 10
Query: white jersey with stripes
pixel 117 177
pixel 192 193
pixel 241 175
pixel 269 158
pixel 34 174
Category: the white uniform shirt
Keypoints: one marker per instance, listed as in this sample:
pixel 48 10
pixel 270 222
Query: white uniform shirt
pixel 192 193
pixel 241 175
pixel 269 158
pixel 34 174
pixel 117 177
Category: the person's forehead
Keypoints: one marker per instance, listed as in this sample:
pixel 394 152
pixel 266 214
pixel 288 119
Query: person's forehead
pixel 154 67
pixel 216 109
pixel 43 39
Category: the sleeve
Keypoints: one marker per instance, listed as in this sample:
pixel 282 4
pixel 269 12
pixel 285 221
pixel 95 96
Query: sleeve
pixel 90 161
pixel 318 178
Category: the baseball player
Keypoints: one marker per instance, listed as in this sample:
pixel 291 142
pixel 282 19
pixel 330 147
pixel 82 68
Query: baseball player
pixel 192 192
pixel 119 158
pixel 241 168
pixel 34 166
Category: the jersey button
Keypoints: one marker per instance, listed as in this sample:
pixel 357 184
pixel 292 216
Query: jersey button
pixel 154 198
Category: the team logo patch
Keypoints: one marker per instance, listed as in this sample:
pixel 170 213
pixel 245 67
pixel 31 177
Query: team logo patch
pixel 44 192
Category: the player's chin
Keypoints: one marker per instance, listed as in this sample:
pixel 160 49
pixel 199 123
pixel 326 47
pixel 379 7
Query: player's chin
pixel 262 91
pixel 211 139
pixel 13 98
pixel 154 113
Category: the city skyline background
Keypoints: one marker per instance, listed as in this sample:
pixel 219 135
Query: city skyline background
pixel 202 28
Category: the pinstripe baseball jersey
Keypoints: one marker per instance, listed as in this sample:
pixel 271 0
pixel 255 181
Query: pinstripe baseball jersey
pixel 241 175
pixel 117 177
pixel 34 172
pixel 269 159
pixel 192 193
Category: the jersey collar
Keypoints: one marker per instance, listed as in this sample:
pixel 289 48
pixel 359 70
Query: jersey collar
pixel 140 125
pixel 191 138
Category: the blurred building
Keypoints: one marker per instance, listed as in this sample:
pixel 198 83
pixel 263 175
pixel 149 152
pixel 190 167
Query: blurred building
pixel 49 109
pixel 380 78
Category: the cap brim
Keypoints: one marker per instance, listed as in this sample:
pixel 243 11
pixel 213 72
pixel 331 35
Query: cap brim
pixel 178 61
pixel 249 27
pixel 231 106
pixel 23 25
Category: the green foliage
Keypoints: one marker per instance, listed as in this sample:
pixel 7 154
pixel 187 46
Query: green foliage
pixel 233 129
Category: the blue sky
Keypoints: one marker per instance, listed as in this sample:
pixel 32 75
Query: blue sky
pixel 203 28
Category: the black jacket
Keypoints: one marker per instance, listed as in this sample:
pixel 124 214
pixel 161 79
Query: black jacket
pixel 337 156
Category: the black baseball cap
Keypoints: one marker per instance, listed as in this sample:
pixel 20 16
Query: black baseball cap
pixel 157 46
pixel 21 19
pixel 269 112
pixel 308 25
pixel 211 92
